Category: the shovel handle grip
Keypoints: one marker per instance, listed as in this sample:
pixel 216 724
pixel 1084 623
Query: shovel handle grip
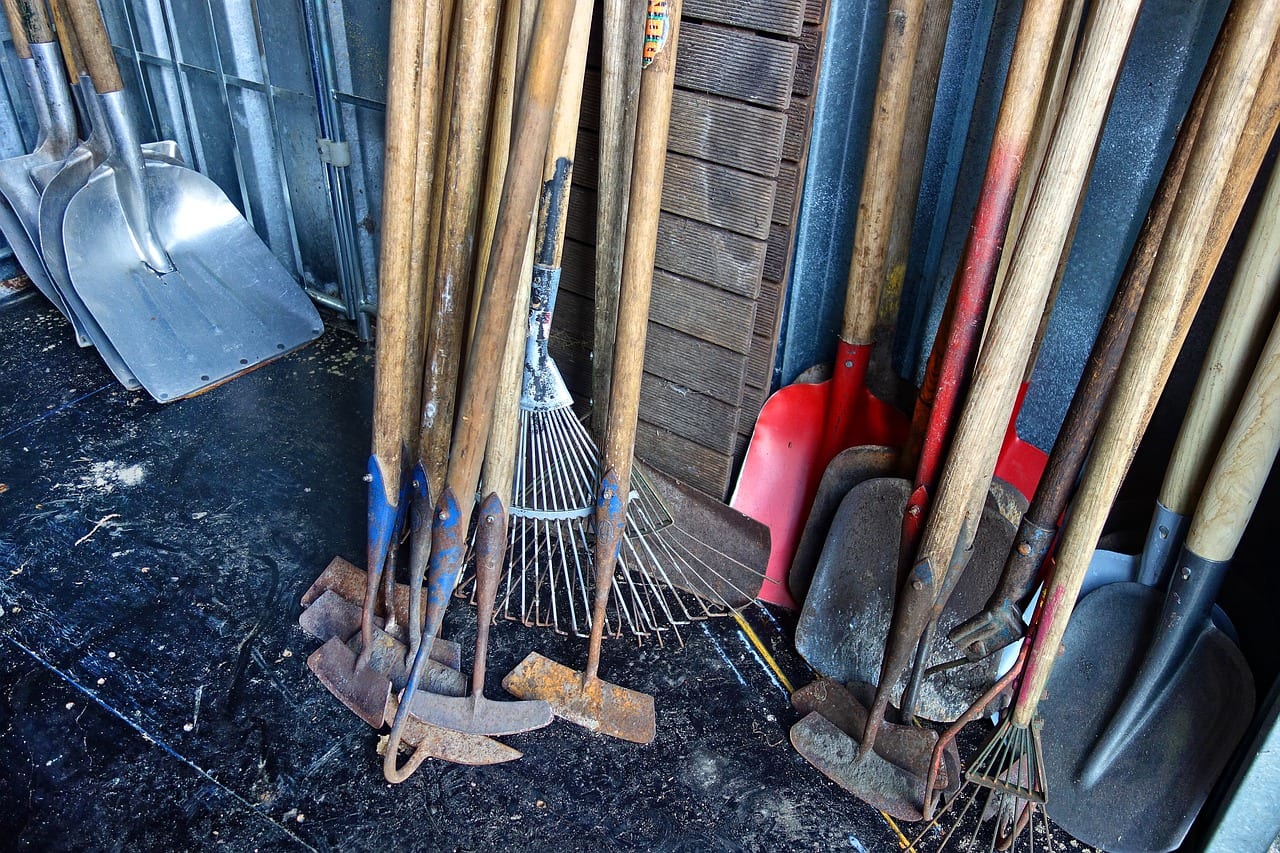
pixel 904 23
pixel 35 22
pixel 16 30
pixel 96 45
pixel 1173 296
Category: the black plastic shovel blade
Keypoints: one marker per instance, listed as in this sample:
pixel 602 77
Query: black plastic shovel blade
pixel 1151 793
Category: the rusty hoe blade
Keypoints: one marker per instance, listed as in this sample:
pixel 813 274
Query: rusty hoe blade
pixel 475 714
pixel 582 697
pixel 331 615
pixel 428 741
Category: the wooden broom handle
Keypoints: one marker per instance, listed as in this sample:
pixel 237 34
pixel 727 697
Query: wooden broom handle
pixel 532 128
pixel 1249 451
pixel 1241 331
pixel 1005 352
pixel 903 25
pixel 1160 327
pixel 17 31
pixel 96 45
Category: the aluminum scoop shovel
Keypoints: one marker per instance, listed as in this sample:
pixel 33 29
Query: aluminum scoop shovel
pixel 175 276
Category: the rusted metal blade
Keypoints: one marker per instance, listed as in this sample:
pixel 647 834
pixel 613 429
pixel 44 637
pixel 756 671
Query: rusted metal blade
pixel 877 782
pixel 446 745
pixel 477 715
pixel 364 690
pixel 908 747
pixel 596 705
pixel 388 656
pixel 331 615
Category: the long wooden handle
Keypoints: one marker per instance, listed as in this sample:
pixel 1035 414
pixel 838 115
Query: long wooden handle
pixel 903 25
pixel 1241 331
pixel 621 51
pixel 391 368
pixel 1249 452
pixel 519 198
pixel 67 41
pixel 475 31
pixel 96 45
pixel 1159 329
pixel 976 445
pixel 17 31
pixel 35 20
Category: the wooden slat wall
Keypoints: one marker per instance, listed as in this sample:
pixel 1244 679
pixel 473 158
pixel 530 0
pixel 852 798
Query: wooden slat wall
pixel 730 194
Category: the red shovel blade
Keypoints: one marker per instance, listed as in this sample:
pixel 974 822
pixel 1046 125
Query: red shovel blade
pixel 1020 464
pixel 789 450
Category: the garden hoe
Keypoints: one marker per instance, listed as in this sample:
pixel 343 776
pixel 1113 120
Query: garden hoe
pixel 583 697
pixel 182 286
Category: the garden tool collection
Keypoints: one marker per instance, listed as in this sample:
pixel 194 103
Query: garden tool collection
pixel 1220 166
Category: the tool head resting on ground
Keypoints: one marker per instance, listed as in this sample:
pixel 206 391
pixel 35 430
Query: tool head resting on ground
pixel 583 697
pixel 179 282
pixel 1179 687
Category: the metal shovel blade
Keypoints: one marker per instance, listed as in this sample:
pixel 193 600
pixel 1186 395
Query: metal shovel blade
pixel 331 615
pixel 446 745
pixel 594 704
pixel 908 747
pixel 1151 793
pixel 877 782
pixel 846 616
pixel 851 466
pixel 228 305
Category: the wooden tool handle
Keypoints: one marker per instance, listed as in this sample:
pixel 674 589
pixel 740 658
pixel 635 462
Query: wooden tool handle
pixel 391 368
pixel 1240 333
pixel 96 45
pixel 519 197
pixel 903 25
pixel 67 41
pixel 504 432
pixel 621 51
pixel 1159 329
pixel 35 21
pixel 1005 352
pixel 1249 450
pixel 17 31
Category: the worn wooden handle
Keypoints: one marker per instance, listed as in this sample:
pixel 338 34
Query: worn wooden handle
pixel 391 368
pixel 1005 352
pixel 532 127
pixel 620 59
pixel 1241 331
pixel 903 25
pixel 1248 453
pixel 35 21
pixel 96 45
pixel 1159 329
pixel 17 31
pixel 68 44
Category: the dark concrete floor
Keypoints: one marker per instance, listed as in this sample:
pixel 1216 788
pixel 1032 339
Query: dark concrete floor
pixel 153 686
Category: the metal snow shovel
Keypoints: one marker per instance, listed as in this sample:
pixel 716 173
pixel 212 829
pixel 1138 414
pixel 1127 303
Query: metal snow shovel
pixel 479 389
pixel 583 697
pixel 178 280
pixel 59 182
pixel 20 203
pixel 803 426
pixel 849 606
pixel 1181 689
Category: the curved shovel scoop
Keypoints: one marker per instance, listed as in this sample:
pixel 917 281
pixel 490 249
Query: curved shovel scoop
pixel 846 617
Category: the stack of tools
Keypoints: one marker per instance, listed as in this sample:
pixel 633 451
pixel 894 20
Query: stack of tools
pixel 148 260
pixel 479 459
pixel 1130 693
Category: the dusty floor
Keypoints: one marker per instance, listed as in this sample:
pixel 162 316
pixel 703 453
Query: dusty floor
pixel 153 686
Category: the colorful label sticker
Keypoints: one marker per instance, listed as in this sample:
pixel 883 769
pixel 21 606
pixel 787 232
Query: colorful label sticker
pixel 657 26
